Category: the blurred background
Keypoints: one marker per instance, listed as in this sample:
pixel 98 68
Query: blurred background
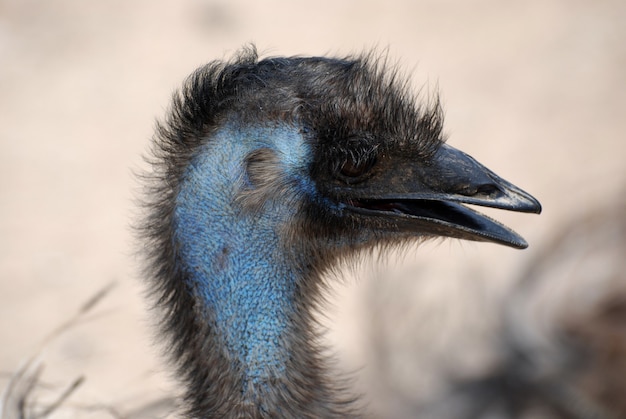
pixel 534 90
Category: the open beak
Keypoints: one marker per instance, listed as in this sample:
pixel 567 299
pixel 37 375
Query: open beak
pixel 428 199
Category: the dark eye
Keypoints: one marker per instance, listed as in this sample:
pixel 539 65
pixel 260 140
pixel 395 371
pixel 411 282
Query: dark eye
pixel 353 170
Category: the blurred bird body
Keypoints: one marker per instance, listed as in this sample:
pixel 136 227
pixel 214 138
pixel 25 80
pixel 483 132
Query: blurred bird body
pixel 266 174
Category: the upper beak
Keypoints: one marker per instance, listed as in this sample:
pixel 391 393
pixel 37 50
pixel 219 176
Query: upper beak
pixel 427 198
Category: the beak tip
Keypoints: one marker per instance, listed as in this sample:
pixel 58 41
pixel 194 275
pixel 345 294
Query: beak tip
pixel 536 207
pixel 533 206
pixel 514 241
pixel 522 245
pixel 525 201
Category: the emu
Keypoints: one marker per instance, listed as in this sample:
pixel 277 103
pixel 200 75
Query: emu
pixel 265 174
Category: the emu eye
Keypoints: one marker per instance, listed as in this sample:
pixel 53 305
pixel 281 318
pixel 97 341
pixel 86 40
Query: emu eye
pixel 354 170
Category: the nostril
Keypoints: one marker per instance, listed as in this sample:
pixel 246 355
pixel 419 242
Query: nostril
pixel 488 189
pixel 485 189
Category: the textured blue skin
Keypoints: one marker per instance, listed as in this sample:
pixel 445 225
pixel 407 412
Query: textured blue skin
pixel 234 258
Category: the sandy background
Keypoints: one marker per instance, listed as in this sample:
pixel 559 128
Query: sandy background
pixel 535 90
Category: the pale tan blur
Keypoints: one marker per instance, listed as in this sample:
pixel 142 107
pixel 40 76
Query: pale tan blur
pixel 534 90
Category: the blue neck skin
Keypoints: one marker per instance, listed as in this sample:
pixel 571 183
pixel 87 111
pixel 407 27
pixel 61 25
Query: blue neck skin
pixel 235 260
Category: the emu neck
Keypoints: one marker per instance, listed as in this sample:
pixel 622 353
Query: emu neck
pixel 235 260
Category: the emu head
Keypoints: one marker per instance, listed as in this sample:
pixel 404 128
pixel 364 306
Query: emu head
pixel 340 149
pixel 267 172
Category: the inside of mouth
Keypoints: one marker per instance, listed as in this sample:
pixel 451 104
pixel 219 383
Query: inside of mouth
pixel 447 212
